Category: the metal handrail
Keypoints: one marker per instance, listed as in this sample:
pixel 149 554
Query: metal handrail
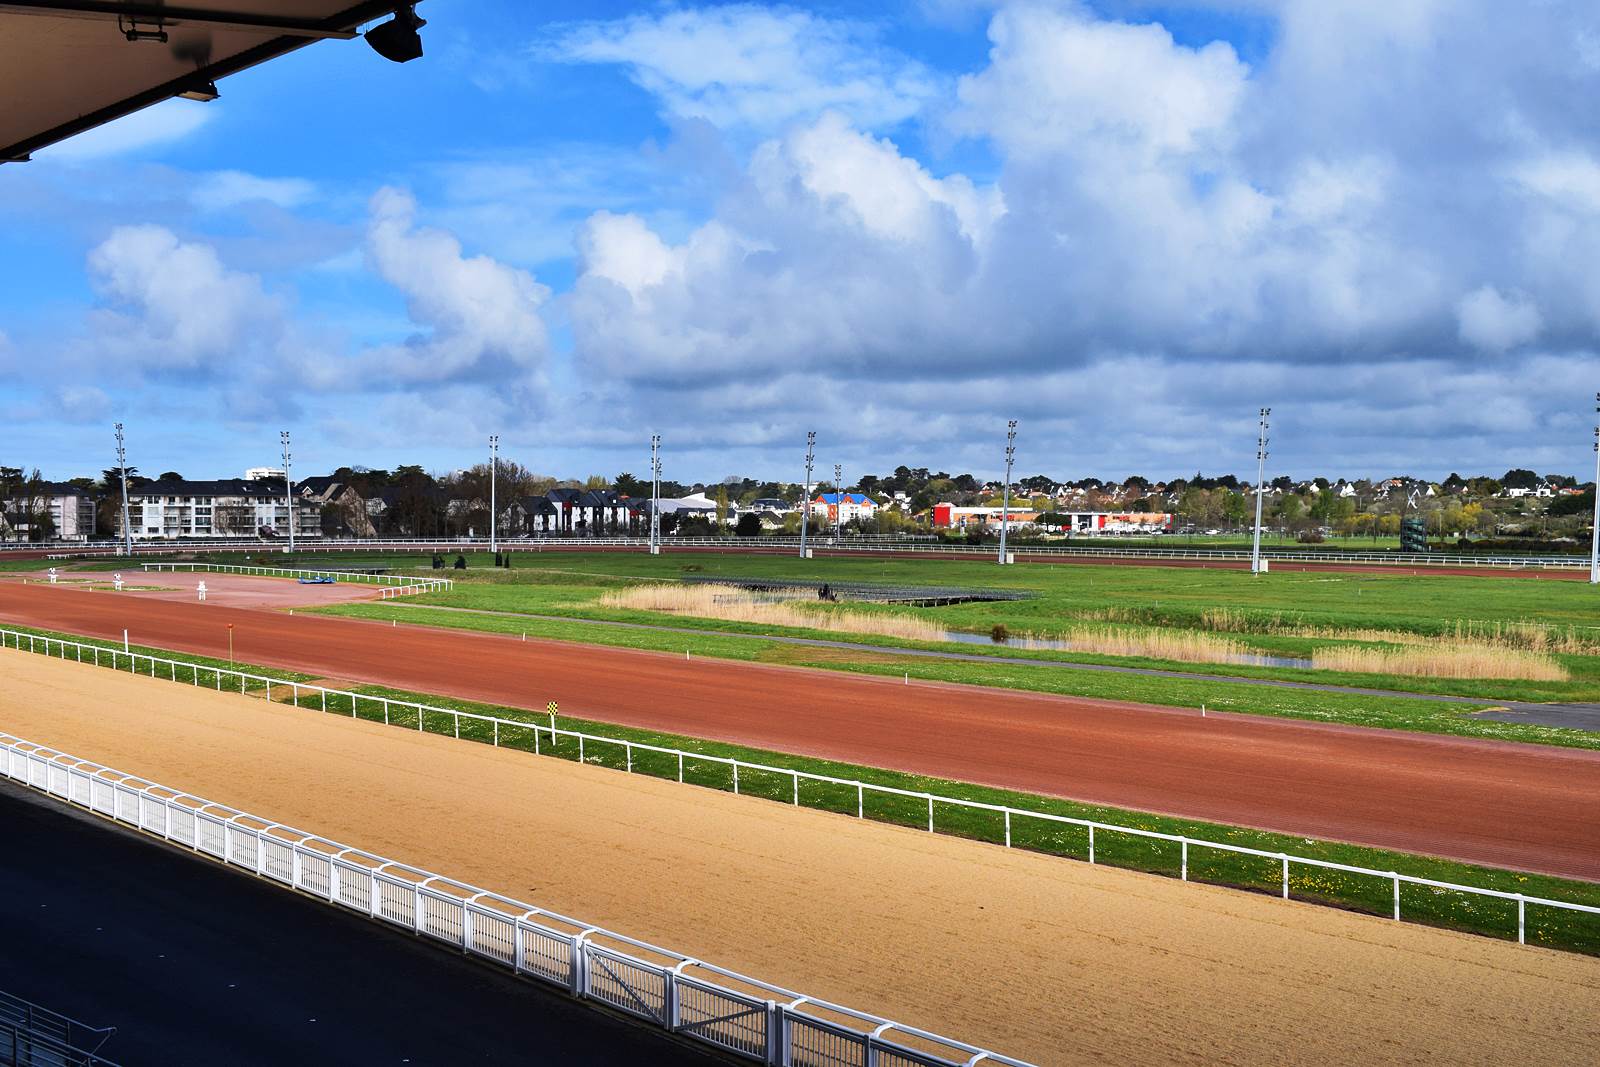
pixel 932 800
pixel 311 846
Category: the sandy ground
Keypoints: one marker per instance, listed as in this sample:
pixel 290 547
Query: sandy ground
pixel 1051 960
pixel 227 590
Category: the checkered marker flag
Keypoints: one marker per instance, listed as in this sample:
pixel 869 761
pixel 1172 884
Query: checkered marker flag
pixel 550 708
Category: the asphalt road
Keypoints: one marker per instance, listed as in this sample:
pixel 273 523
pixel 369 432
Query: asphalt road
pixel 197 964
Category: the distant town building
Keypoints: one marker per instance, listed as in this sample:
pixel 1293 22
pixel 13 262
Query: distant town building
pixel 227 508
pixel 70 512
pixel 843 507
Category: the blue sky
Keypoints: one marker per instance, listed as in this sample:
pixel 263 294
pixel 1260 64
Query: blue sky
pixel 1127 225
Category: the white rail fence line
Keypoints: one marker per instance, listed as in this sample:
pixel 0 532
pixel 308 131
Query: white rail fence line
pixel 731 1011
pixel 500 732
pixel 861 544
pixel 394 584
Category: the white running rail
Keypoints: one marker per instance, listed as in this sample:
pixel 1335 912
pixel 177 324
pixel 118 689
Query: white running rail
pixel 868 544
pixel 500 732
pixel 405 583
pixel 705 1003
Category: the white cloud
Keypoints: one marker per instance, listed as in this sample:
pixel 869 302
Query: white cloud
pixel 744 65
pixel 171 308
pixel 160 124
pixel 82 403
pixel 224 189
pixel 1494 322
pixel 1164 220
pixel 622 249
pixel 1569 180
pixel 172 304
pixel 1063 80
pixel 479 317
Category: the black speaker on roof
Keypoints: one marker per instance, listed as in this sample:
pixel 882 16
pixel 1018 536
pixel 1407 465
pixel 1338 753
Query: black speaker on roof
pixel 398 40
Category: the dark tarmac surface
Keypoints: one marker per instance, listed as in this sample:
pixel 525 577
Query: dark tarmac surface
pixel 194 963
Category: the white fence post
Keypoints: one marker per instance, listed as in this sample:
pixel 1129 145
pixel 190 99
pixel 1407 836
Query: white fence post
pixel 1285 876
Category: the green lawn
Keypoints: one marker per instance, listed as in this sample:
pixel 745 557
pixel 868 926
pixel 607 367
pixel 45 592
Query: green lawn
pixel 1549 927
pixel 1285 614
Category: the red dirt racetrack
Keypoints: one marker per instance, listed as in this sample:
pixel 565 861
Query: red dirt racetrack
pixel 1524 806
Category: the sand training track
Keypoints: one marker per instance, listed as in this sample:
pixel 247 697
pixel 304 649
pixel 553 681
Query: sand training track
pixel 1045 959
pixel 1048 959
pixel 1524 806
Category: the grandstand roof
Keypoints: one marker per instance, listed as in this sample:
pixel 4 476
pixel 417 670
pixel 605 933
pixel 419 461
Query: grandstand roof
pixel 67 66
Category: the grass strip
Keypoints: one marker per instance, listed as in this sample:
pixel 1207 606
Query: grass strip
pixel 1356 709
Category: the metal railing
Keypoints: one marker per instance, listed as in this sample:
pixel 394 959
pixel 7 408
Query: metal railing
pixel 31 1036
pixel 501 732
pixel 730 1011
pixel 857 544
pixel 406 582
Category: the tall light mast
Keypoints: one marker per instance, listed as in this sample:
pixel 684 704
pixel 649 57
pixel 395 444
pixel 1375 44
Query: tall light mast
pixel 838 502
pixel 805 495
pixel 655 494
pixel 122 465
pixel 1261 488
pixel 494 514
pixel 1594 538
pixel 1005 495
pixel 288 485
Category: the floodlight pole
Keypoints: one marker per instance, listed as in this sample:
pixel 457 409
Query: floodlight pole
pixel 288 486
pixel 1005 493
pixel 838 502
pixel 122 465
pixel 1594 537
pixel 494 514
pixel 655 494
pixel 805 494
pixel 1261 488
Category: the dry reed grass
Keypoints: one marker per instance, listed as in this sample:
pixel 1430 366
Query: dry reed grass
pixel 1186 646
pixel 782 609
pixel 1443 661
pixel 1462 633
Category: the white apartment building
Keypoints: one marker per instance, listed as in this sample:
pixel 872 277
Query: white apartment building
pixel 227 508
pixel 71 512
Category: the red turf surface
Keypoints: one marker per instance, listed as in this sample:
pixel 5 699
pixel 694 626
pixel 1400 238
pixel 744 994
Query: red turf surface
pixel 1524 806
